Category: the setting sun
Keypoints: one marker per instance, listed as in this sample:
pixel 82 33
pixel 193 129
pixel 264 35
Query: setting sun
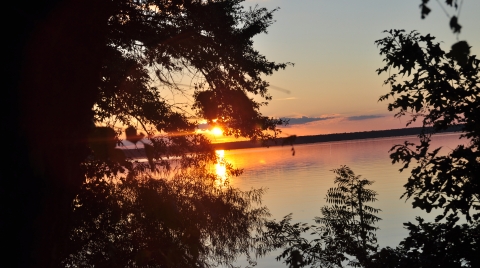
pixel 217 131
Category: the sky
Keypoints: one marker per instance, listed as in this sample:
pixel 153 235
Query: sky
pixel 333 84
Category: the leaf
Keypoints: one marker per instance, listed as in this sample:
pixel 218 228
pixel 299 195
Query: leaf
pixel 454 24
pixel 424 9
pixel 460 52
pixel 439 218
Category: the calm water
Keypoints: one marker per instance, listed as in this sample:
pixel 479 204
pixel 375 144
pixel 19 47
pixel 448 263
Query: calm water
pixel 298 184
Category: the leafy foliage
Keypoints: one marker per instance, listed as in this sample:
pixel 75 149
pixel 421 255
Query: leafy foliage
pixel 445 244
pixel 441 244
pixel 119 62
pixel 442 90
pixel 346 228
pixel 425 10
pixel 460 50
pixel 350 220
pixel 288 236
pixel 152 44
pixel 183 220
pixel 169 212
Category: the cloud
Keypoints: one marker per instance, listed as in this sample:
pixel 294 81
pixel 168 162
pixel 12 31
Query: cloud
pixel 290 98
pixel 364 117
pixel 304 120
pixel 279 89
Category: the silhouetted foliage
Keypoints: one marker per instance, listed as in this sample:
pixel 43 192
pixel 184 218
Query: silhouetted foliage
pixel 346 236
pixel 192 224
pixel 187 219
pixel 441 244
pixel 437 244
pixel 113 62
pixel 350 219
pixel 425 10
pixel 152 44
pixel 346 228
pixel 461 49
pixel 441 90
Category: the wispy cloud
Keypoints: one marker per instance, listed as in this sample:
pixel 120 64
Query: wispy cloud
pixel 304 119
pixel 289 98
pixel 364 117
pixel 279 89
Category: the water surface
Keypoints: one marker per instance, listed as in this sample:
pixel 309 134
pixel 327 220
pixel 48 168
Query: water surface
pixel 298 184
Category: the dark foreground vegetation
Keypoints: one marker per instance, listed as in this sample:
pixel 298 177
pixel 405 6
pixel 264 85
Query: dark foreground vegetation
pixel 79 69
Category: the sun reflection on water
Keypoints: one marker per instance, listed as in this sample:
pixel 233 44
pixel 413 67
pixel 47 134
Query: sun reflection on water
pixel 220 168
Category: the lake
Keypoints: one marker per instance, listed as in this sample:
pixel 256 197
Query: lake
pixel 298 184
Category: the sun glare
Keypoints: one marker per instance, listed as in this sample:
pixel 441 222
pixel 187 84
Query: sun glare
pixel 217 131
pixel 220 168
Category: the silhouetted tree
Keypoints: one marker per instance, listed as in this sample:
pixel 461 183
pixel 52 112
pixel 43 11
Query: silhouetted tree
pixel 460 50
pixel 346 228
pixel 439 244
pixel 81 61
pixel 442 90
pixel 183 220
pixel 152 43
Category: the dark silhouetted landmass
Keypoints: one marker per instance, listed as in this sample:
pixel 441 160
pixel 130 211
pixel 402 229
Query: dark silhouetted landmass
pixel 140 152
pixel 333 137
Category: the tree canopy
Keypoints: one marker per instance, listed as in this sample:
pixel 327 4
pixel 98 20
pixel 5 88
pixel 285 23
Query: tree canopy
pixel 442 90
pixel 153 44
pixel 157 42
pixel 81 63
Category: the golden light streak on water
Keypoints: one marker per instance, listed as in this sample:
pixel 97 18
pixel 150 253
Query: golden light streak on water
pixel 220 168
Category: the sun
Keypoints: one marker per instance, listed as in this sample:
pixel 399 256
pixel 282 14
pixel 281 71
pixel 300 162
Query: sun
pixel 217 131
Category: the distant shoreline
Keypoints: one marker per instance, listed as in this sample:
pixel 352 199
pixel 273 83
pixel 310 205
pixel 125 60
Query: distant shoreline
pixel 330 138
pixel 297 140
